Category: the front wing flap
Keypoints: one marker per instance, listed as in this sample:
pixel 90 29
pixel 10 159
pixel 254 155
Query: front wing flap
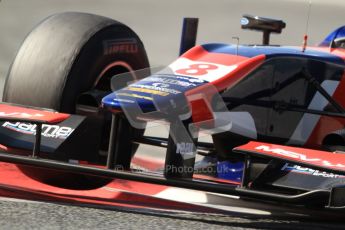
pixel 332 162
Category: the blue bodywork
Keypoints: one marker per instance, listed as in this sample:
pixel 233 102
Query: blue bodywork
pixel 230 171
pixel 338 33
pixel 272 52
pixel 158 90
pixel 123 97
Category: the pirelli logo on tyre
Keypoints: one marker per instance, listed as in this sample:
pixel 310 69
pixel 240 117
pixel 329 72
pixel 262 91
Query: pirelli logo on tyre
pixel 118 46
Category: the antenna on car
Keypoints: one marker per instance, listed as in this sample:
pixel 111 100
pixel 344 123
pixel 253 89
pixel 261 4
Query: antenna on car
pixel 305 38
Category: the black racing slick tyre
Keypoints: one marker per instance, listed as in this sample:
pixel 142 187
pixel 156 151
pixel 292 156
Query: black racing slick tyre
pixel 66 55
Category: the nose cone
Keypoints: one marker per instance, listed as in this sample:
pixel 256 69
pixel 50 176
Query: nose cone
pixel 125 99
pixel 159 90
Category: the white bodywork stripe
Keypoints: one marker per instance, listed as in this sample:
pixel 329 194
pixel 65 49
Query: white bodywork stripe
pixel 241 123
pixel 203 199
pixel 308 122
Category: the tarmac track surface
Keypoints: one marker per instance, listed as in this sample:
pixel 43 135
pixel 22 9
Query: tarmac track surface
pixel 18 214
pixel 159 25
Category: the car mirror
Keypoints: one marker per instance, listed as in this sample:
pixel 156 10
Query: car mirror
pixel 267 25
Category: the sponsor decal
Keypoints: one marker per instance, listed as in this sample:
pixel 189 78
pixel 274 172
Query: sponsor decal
pixel 52 131
pixel 161 85
pixel 298 156
pixel 165 86
pixel 190 79
pixel 117 46
pixel 153 89
pixel 178 81
pixel 150 91
pixel 131 95
pixel 185 149
pixel 303 170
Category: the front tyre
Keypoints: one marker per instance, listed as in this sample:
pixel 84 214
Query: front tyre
pixel 66 55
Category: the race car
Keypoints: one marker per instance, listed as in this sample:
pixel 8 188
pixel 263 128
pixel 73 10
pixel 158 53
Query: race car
pixel 80 94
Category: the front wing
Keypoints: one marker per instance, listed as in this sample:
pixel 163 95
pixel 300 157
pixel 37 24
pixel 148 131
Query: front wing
pixel 327 161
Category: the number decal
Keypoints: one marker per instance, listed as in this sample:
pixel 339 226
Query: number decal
pixel 197 69
pixel 202 70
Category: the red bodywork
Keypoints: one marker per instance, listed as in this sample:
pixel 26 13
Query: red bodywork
pixel 12 112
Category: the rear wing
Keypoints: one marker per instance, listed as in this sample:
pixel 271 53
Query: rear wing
pixel 332 162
